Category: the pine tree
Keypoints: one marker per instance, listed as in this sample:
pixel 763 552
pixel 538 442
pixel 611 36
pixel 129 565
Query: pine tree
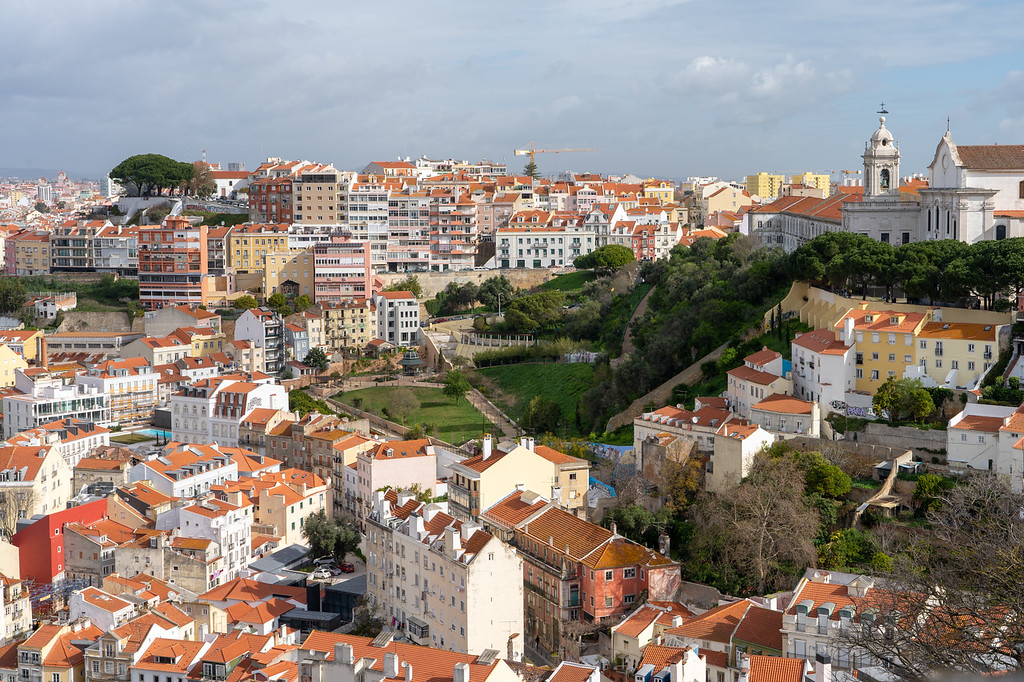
pixel 531 170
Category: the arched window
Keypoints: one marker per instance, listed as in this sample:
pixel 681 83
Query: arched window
pixel 1001 231
pixel 883 179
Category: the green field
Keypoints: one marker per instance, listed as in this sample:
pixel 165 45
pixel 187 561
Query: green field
pixel 456 423
pixel 571 281
pixel 562 383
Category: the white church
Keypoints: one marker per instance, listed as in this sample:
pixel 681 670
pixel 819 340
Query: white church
pixel 973 193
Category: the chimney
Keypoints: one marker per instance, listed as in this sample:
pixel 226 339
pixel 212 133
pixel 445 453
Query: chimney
pixel 677 621
pixel 452 541
pixel 343 653
pixel 848 331
pixel 390 665
pixel 613 528
pixel 488 445
pixel 744 668
pixel 461 673
pixel 408 672
pixel 822 668
pixel 528 444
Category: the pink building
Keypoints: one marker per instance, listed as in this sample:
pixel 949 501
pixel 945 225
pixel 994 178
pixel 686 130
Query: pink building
pixel 343 270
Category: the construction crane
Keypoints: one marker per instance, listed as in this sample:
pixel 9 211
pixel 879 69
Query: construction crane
pixel 532 151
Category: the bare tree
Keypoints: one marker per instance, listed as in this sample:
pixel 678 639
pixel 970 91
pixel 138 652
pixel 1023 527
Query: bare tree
pixel 401 402
pixel 761 525
pixel 15 503
pixel 955 598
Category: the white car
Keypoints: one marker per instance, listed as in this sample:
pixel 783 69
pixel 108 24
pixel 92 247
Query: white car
pixel 320 574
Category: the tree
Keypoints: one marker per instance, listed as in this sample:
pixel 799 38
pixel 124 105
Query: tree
pixel 823 478
pixel 631 521
pixel 495 289
pixel 346 538
pixel 410 283
pixel 903 399
pixel 317 359
pixel 761 527
pixel 928 492
pixel 14 504
pixel 456 385
pixel 680 483
pixel 320 533
pixel 200 182
pixel 606 259
pixel 245 302
pixel 135 310
pixel 952 600
pixel 530 169
pixel 302 302
pixel 536 312
pixel 143 173
pixel 12 295
pixel 279 303
pixel 402 402
pixel 42 207
pixel 542 415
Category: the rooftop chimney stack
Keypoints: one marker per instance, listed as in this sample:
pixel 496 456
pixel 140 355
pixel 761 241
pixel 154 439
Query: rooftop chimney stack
pixel 390 665
pixel 461 673
pixel 488 446
pixel 822 668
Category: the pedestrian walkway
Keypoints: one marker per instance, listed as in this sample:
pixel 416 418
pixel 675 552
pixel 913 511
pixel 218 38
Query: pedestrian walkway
pixel 508 427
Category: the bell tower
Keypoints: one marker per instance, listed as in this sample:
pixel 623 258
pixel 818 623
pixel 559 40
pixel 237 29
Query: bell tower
pixel 881 163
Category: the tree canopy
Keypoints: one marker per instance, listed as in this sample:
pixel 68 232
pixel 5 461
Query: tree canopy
pixel 605 259
pixel 317 359
pixel 903 399
pixel 456 385
pixel 149 173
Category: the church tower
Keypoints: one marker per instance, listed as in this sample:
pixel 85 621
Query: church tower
pixel 881 164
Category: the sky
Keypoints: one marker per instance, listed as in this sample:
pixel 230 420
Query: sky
pixel 660 88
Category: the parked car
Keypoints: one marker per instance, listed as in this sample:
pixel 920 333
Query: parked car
pixel 323 561
pixel 320 574
pixel 346 567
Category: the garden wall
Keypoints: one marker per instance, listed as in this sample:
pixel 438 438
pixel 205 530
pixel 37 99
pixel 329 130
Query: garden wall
pixel 925 444
pixel 433 282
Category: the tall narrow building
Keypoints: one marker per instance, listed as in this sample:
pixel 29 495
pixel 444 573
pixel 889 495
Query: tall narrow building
pixel 173 264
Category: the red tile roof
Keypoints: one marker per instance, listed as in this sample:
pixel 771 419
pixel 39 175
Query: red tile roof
pixel 992 156
pixel 776 669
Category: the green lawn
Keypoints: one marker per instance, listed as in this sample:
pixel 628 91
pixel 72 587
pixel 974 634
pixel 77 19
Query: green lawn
pixel 129 438
pixel 571 281
pixel 456 423
pixel 562 383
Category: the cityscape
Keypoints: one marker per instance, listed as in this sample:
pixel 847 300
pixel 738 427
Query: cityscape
pixel 732 398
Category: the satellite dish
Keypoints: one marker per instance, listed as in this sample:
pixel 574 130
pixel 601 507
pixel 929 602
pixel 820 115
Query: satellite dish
pixel 695 419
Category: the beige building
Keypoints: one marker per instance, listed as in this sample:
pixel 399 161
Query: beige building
pixel 349 325
pixel 250 243
pixel 399 465
pixel 313 323
pixel 282 501
pixel 765 185
pixel 248 356
pixel 49 655
pixel 479 482
pixel 37 478
pixel 736 445
pixel 90 470
pixel 449 582
pixel 632 635
pixel 289 272
pixel 16 611
pixel 157 350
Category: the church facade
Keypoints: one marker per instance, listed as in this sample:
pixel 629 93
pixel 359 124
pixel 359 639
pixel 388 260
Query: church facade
pixel 974 193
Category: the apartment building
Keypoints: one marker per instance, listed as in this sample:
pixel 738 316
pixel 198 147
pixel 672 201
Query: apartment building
pixel 187 470
pixel 104 610
pixel 765 185
pixel 36 479
pixel 227 524
pixel 157 350
pixel 958 354
pixel 885 344
pixel 735 629
pixel 290 273
pixel 248 245
pixel 48 654
pixel 265 328
pixel 174 264
pixel 40 397
pixel 445 582
pixel 988 438
pixel 210 410
pixel 823 365
pixel 319 191
pixel 343 269
pixel 632 634
pixel 366 211
pixel 699 425
pixel 72 246
pixel 131 385
pixel 736 444
pixel 762 374
pixel 480 482
pixel 28 253
pixel 308 442
pixel 824 603
pixel 28 343
pixel 271 200
pixel 453 233
pixel 217 249
pixel 10 360
pixel 395 464
pixel 408 247
pixel 16 611
pixel 349 324
pixel 398 317
pixel 282 501
pixel 73 438
pixel 574 570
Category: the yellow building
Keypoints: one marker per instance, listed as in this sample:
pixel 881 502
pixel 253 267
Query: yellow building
pixel 727 198
pixel 816 180
pixel 203 340
pixel 885 344
pixel 482 481
pixel 662 190
pixel 31 254
pixel 26 343
pixel 289 273
pixel 50 655
pixel 248 245
pixel 9 361
pixel 765 184
pixel 959 352
pixel 351 324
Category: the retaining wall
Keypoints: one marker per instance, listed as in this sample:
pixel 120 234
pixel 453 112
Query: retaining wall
pixel 924 444
pixel 433 282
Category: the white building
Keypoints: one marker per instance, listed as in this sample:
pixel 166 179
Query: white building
pixel 823 365
pixel 736 445
pixel 72 438
pixel 762 374
pixel 227 524
pixel 131 385
pixel 44 398
pixel 988 438
pixel 265 328
pixel 187 470
pixel 210 410
pixel 104 610
pixel 398 317
pixel 450 583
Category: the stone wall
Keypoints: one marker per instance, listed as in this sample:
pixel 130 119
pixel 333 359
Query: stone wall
pixel 856 457
pixel 433 282
pixel 925 444
pixel 100 322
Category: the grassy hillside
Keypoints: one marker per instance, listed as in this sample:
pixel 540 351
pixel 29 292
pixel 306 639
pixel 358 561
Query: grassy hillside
pixel 512 387
pixel 456 423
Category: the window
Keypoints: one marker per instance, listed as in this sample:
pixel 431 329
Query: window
pixel 609 575
pixel 629 599
pixel 906 359
pixel 874 374
pixel 892 357
pixel 860 373
pixel 607 601
pixel 874 356
pixel 629 573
